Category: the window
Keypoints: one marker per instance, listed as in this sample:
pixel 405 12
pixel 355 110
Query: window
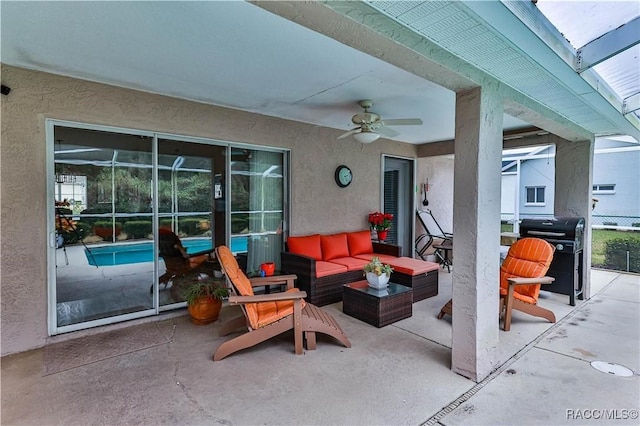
pixel 535 195
pixel 73 189
pixel 604 188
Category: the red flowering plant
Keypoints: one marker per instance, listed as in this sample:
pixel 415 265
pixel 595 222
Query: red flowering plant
pixel 380 221
pixel 65 226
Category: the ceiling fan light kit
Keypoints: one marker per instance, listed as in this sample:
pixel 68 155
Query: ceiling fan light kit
pixel 366 137
pixel 371 126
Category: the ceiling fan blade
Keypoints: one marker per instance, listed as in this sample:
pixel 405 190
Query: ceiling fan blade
pixel 349 133
pixel 390 133
pixel 402 122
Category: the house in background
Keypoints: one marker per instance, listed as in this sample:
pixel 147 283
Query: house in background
pixel 528 179
pixel 616 183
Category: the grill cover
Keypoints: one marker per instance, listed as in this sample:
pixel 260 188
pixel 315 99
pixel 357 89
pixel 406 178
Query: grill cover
pixel 563 230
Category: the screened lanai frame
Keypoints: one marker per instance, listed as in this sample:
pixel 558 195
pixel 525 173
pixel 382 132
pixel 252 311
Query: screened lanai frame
pixel 108 159
pixel 112 159
pixel 604 36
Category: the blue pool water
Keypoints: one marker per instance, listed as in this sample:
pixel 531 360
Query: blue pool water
pixel 123 254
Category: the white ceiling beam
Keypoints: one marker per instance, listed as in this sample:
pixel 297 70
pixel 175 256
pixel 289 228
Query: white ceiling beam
pixel 608 45
pixel 631 104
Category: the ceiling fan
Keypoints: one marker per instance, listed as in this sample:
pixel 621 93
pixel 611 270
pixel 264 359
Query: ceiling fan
pixel 371 125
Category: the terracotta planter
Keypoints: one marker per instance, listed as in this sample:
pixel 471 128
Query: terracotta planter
pixel 205 310
pixel 106 231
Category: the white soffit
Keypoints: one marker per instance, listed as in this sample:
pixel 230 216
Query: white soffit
pixel 517 44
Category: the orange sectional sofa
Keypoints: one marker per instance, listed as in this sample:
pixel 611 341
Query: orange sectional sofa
pixel 324 263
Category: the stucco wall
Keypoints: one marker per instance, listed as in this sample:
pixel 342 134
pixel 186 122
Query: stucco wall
pixel 317 203
pixel 439 171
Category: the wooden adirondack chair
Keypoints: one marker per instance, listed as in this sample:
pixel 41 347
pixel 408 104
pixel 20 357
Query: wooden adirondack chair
pixel 177 261
pixel 521 276
pixel 266 316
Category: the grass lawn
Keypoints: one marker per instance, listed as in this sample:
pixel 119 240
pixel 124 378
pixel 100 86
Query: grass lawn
pixel 599 241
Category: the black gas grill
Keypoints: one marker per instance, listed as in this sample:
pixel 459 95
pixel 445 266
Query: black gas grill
pixel 566 234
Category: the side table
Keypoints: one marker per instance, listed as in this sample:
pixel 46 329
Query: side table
pixel 377 307
pixel 442 252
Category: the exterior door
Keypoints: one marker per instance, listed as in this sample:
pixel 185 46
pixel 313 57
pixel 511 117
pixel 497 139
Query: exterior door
pixel 398 199
pixel 116 190
pixel 102 232
pixel 257 210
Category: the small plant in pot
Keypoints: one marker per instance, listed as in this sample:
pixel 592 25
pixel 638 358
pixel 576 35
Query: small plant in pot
pixel 377 273
pixel 204 299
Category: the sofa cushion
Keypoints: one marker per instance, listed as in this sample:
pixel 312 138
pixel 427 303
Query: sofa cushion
pixel 384 258
pixel 412 267
pixel 359 242
pixel 324 269
pixel 308 245
pixel 352 263
pixel 334 246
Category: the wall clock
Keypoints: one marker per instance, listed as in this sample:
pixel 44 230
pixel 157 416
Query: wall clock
pixel 343 176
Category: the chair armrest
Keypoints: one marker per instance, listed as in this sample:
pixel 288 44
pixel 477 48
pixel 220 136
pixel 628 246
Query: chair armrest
pixel 298 264
pixel 385 248
pixel 275 297
pixel 274 280
pixel 529 281
pixel 200 253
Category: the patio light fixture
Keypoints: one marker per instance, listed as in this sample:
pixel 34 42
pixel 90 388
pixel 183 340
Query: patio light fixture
pixel 366 137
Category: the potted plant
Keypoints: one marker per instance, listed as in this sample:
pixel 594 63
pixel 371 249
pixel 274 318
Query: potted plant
pixel 377 273
pixel 204 299
pixel 381 223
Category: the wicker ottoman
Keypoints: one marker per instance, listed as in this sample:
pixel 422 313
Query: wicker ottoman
pixel 377 307
pixel 420 275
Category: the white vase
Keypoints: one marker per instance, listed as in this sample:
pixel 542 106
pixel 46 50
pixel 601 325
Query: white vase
pixel 377 281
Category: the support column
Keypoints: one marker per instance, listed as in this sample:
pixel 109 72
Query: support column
pixel 573 184
pixel 476 234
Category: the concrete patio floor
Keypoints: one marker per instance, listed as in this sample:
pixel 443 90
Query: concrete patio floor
pixel 159 371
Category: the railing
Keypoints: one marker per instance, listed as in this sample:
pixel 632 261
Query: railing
pixel 615 222
pixel 622 223
pixel 615 241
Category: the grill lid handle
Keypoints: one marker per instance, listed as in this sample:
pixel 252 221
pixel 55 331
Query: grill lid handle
pixel 547 233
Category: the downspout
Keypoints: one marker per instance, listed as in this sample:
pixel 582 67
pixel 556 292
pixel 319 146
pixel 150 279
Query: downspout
pixel 516 210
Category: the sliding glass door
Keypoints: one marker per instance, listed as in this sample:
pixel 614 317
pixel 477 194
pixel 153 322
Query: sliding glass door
pixel 117 193
pixel 103 225
pixel 257 206
pixel 189 206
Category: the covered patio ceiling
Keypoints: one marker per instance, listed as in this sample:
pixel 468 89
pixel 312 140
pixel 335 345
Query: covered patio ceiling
pixel 312 61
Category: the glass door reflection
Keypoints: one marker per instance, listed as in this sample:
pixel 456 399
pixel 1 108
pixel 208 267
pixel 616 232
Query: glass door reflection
pixel 103 224
pixel 189 209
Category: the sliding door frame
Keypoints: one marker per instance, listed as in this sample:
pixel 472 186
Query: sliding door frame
pixel 50 125
pixel 410 194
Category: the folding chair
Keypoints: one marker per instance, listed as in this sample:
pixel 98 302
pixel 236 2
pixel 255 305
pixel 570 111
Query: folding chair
pixel 434 234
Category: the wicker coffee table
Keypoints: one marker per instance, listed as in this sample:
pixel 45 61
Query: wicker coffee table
pixel 377 307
